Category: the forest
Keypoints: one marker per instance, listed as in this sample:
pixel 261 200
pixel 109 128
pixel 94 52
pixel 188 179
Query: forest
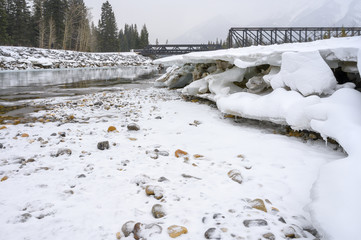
pixel 66 24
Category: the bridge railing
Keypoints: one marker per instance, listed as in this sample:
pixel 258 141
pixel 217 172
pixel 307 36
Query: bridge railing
pixel 244 37
pixel 175 49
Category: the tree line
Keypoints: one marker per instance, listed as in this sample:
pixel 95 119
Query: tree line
pixel 66 24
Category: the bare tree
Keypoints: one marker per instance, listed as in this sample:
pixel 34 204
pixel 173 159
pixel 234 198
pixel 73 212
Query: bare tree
pixel 52 31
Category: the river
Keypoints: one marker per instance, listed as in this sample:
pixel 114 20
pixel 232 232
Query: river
pixel 17 87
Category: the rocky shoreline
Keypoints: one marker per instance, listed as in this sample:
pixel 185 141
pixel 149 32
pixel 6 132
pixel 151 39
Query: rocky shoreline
pixel 23 58
pixel 140 162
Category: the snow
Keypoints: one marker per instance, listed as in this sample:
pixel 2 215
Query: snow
pixel 303 94
pixel 92 193
pixel 305 72
pixel 228 165
pixel 25 58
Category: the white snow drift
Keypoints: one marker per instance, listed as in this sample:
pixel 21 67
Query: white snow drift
pixel 295 86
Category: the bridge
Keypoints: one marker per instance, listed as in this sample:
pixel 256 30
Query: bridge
pixel 244 37
pixel 176 49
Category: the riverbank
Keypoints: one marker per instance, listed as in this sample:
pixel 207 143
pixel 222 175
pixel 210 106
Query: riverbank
pixel 25 58
pixel 87 164
pixel 307 86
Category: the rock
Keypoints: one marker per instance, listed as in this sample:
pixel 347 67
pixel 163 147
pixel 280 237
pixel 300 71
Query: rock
pixel 198 156
pixel 63 151
pixel 138 230
pixel 62 134
pixel 175 231
pixel 99 103
pixel 179 153
pixel 24 135
pixel 3 127
pixel 133 127
pixel 163 153
pixel 4 178
pixel 103 145
pixel 236 176
pixel 118 235
pixel 1 146
pixel 128 228
pixel 163 179
pixel 289 232
pixel 212 233
pixel 255 223
pixel 158 117
pixel 82 176
pixel 269 236
pixel 142 231
pixel 25 217
pixel 189 176
pixel 112 129
pixel 156 191
pixel 282 220
pixel 258 204
pixel 256 84
pixel 53 134
pixel 158 211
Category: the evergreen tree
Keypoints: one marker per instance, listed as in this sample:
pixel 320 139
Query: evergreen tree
pixel 108 32
pixel 4 38
pixel 19 22
pixel 144 37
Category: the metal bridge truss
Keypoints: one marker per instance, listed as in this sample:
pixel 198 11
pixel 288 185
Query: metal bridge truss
pixel 244 37
pixel 175 49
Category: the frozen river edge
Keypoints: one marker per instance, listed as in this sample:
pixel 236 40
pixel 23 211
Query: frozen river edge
pixel 308 86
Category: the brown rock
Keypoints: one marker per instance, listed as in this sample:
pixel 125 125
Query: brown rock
pixel 175 231
pixel 235 175
pixel 24 135
pixel 158 211
pixel 3 127
pixel 128 228
pixel 258 204
pixel 112 129
pixel 179 153
pixel 269 236
pixel 198 156
pixel 118 235
pixel 156 191
pixel 138 230
pixel 4 178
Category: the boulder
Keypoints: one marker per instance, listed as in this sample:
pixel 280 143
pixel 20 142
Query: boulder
pixel 175 231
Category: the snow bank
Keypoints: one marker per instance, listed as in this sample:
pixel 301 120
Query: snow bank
pixel 21 58
pixel 308 86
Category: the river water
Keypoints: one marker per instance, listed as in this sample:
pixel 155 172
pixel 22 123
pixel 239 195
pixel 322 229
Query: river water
pixel 17 87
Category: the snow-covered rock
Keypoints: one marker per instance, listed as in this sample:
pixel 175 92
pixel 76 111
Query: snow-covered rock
pixel 21 58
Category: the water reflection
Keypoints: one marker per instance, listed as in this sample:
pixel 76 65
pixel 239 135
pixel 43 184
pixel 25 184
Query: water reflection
pixel 22 85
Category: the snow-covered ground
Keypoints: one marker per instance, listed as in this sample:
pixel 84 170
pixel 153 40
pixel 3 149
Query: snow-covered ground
pixel 308 86
pixel 90 164
pixel 23 58
pixel 235 181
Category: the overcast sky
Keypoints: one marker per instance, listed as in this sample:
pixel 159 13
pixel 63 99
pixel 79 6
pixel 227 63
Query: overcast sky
pixel 168 19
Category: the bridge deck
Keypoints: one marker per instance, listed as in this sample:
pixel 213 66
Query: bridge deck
pixel 175 49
